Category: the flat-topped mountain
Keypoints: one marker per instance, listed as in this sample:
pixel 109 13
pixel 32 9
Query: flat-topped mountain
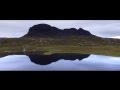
pixel 45 30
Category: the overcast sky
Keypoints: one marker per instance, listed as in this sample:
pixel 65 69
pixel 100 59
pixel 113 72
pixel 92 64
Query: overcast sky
pixel 103 28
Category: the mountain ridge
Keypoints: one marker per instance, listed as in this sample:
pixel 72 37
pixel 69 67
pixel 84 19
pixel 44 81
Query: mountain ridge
pixel 45 30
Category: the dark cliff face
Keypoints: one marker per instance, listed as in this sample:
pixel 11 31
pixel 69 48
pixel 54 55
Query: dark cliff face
pixel 42 30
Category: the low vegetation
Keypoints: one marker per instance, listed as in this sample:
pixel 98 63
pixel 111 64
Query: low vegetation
pixel 70 44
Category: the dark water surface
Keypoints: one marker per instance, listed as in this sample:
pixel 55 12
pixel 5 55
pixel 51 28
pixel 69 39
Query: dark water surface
pixel 59 62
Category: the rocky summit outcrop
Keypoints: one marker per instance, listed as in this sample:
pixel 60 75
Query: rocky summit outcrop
pixel 45 30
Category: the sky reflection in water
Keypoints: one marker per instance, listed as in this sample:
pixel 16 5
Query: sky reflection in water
pixel 91 63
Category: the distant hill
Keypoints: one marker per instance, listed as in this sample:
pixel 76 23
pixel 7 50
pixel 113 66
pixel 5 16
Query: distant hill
pixel 52 36
pixel 45 30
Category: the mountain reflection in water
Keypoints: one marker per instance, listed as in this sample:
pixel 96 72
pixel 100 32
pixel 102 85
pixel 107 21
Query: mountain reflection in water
pixel 61 62
pixel 48 59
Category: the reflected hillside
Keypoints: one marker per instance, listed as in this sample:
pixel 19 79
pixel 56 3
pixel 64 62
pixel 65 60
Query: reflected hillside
pixel 48 59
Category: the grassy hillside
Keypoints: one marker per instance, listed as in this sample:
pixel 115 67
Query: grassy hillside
pixel 70 44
